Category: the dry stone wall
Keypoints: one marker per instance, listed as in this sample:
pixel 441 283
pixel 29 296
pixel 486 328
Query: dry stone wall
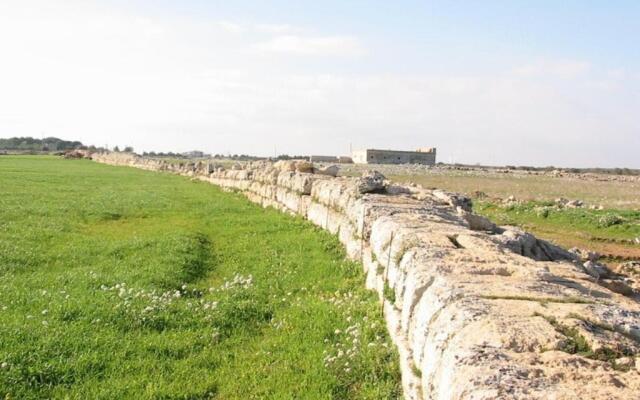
pixel 477 311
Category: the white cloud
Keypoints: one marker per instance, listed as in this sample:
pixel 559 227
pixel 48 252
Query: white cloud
pixel 231 27
pixel 276 28
pixel 567 69
pixel 314 46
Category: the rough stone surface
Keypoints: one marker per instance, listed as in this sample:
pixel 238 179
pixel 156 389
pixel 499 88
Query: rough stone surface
pixel 370 181
pixel 331 170
pixel 478 312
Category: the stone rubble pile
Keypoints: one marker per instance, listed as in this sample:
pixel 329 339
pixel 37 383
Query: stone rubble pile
pixel 477 311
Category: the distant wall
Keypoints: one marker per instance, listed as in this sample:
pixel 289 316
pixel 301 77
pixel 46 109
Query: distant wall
pixel 331 159
pixel 373 156
pixel 476 311
pixel 325 159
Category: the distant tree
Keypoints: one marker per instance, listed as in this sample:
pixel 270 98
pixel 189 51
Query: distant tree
pixel 128 149
pixel 116 149
pixel 36 145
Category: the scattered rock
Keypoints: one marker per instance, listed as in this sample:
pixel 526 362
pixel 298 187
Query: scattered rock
pixel 397 189
pixel 479 194
pixel 574 204
pixel 596 270
pixel 511 200
pixel 618 286
pixel 303 166
pixel 527 245
pixel 565 203
pixel 331 170
pixel 370 181
pixel 293 166
pixel 561 201
pixel 285 166
pixel 585 255
pixel 476 222
pixel 77 154
pixel 453 199
pixel 629 268
pixel 625 362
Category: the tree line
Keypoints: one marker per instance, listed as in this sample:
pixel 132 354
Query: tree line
pixel 33 144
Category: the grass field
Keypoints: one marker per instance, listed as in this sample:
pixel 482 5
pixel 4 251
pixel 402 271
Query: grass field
pixel 610 231
pixel 609 194
pixel 117 283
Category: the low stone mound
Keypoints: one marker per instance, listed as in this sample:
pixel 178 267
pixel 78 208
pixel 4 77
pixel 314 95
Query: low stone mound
pixel 76 154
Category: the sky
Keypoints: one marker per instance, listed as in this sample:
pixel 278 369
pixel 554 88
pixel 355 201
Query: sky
pixel 493 82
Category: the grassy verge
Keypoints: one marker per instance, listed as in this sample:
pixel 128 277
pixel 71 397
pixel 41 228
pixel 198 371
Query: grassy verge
pixel 121 283
pixel 610 232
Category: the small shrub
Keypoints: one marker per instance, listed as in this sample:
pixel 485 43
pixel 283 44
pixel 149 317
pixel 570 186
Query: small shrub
pixel 416 371
pixel 389 293
pixel 608 220
pixel 542 212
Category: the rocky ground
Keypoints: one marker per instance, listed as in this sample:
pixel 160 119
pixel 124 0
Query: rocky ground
pixel 417 169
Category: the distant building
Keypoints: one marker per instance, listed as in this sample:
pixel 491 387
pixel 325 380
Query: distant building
pixel 195 154
pixel 424 155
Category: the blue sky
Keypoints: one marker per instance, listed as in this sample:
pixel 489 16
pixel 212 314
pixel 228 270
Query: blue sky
pixel 502 82
pixel 509 30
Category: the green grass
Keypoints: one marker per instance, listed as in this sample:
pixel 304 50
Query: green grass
pixel 609 232
pixel 575 343
pixel 121 283
pixel 615 224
